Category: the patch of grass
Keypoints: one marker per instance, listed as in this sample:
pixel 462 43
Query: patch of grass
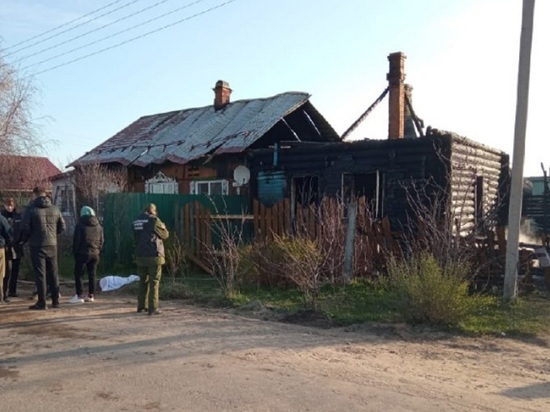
pixel 527 316
pixel 344 305
pixel 198 289
pixel 364 301
pixel 360 302
pixel 283 299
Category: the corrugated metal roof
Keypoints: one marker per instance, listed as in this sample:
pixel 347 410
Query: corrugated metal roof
pixel 184 135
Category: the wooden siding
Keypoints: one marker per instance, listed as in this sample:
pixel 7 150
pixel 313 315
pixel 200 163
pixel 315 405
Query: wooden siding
pixel 220 167
pixel 473 165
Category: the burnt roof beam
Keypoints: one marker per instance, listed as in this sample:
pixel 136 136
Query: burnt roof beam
pixel 291 130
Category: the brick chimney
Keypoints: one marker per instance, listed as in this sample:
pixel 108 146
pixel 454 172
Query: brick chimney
pixel 396 80
pixel 222 93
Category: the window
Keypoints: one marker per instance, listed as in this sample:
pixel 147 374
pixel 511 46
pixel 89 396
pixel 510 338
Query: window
pixel 368 185
pixel 209 187
pixel 161 184
pixel 64 199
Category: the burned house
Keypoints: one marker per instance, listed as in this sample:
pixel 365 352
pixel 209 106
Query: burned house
pixel 471 177
pixel 468 180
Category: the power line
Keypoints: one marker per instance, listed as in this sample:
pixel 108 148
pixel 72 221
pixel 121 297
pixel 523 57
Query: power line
pixel 113 35
pixel 62 25
pixel 133 39
pixel 71 28
pixel 91 31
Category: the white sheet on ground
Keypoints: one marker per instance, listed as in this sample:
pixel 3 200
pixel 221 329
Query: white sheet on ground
pixel 115 282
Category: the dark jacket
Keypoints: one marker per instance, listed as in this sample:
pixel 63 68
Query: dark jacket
pixel 6 233
pixel 88 237
pixel 42 223
pixel 15 249
pixel 149 234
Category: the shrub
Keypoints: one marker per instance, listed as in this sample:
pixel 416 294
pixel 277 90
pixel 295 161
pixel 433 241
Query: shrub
pixel 177 263
pixel 301 262
pixel 429 293
pixel 262 264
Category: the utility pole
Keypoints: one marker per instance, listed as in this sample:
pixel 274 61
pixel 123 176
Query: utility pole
pixel 516 192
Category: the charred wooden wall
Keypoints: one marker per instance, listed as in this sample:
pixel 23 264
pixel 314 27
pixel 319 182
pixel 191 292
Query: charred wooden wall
pixel 437 162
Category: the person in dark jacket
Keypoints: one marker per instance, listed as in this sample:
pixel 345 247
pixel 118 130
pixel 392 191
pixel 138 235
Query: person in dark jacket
pixel 41 225
pixel 149 233
pixel 5 239
pixel 87 244
pixel 14 251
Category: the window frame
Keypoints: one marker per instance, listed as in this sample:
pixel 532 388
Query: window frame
pixel 193 186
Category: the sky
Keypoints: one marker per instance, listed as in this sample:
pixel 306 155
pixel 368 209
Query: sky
pixel 462 61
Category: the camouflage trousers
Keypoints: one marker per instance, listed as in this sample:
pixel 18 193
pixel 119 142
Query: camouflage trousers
pixel 149 282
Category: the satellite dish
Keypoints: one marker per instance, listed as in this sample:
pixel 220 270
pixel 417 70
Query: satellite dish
pixel 241 175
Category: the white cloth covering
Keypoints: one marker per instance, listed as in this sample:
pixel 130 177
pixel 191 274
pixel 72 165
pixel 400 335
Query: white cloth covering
pixel 115 282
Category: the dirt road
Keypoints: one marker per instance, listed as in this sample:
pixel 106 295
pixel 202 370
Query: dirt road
pixel 103 356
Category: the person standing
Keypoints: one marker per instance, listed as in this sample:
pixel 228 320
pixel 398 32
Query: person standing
pixel 149 232
pixel 14 252
pixel 5 239
pixel 41 225
pixel 87 244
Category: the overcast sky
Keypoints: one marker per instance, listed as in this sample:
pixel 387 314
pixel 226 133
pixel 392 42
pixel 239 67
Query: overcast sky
pixel 462 60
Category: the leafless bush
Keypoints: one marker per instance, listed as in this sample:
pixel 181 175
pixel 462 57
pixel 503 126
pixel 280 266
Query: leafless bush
pixel 94 180
pixel 177 263
pixel 225 256
pixel 443 223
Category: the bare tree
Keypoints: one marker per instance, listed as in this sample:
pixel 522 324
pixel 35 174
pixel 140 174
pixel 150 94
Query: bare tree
pixel 17 129
pixel 94 180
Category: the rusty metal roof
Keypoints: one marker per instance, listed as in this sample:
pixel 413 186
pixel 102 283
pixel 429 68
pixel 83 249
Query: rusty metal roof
pixel 23 173
pixel 184 135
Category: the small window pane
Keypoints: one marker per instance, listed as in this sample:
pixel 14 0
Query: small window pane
pixel 216 188
pixel 202 188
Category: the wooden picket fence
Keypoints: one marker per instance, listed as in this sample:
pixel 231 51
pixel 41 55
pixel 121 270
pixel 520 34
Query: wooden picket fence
pixel 374 240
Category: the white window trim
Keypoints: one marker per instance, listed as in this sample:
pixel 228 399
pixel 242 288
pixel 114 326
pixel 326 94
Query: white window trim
pixel 166 184
pixel 193 186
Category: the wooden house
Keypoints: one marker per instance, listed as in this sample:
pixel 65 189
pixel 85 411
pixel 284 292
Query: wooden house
pixel 196 151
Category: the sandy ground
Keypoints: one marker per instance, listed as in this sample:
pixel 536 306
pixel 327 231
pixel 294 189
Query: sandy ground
pixel 103 356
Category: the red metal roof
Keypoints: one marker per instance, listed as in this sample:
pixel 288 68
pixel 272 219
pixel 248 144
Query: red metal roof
pixel 23 173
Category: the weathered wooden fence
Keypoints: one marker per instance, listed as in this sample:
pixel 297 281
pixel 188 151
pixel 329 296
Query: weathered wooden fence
pixel 373 241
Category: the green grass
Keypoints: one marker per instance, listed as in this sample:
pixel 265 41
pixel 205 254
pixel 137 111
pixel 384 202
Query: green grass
pixel 365 302
pixel 358 302
pixel 527 316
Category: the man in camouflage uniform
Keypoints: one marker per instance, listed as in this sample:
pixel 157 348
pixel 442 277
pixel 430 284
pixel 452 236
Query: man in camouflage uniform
pixel 149 233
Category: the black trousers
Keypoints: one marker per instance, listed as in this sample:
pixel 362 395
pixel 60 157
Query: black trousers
pixel 44 262
pixel 85 263
pixel 10 278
